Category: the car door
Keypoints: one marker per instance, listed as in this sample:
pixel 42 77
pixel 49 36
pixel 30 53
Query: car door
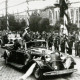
pixel 20 57
pixel 12 56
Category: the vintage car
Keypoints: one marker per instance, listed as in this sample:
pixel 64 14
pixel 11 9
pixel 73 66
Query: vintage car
pixel 54 64
pixel 48 62
pixel 24 54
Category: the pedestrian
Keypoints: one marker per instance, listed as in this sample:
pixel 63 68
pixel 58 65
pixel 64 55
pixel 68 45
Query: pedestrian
pixel 63 43
pixel 50 41
pixel 57 43
pixel 70 46
pixel 78 49
pixel 5 39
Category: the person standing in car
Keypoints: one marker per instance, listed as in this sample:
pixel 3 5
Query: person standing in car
pixel 26 35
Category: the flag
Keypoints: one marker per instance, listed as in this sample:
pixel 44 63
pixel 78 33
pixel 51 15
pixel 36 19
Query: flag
pixel 63 7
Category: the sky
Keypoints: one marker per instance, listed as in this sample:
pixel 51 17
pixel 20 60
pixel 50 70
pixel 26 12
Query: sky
pixel 20 8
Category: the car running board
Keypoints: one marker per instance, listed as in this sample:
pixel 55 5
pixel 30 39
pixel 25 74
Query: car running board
pixel 16 65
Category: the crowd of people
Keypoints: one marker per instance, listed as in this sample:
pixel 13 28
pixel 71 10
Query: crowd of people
pixel 62 43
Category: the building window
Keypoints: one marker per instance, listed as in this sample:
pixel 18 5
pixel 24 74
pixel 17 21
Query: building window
pixel 50 17
pixel 72 15
pixel 77 16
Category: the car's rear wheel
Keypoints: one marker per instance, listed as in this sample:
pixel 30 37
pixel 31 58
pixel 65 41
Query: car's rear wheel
pixel 71 67
pixel 37 73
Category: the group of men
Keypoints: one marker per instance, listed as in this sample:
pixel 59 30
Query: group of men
pixel 60 43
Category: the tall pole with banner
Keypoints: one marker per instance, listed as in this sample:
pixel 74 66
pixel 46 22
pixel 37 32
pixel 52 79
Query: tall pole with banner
pixel 63 15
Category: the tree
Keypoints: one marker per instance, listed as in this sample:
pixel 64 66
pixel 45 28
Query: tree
pixel 14 25
pixel 56 27
pixel 3 23
pixel 23 24
pixel 72 27
pixel 44 25
pixel 33 22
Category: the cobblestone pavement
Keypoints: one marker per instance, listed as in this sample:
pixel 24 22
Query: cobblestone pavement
pixel 10 73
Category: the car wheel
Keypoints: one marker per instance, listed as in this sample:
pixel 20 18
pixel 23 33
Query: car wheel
pixel 38 73
pixel 71 67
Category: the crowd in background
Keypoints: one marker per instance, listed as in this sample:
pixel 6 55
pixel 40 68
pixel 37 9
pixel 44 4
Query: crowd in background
pixel 58 42
pixel 55 41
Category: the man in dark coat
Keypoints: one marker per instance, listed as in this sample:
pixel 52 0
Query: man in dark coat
pixel 50 42
pixel 70 45
pixel 56 43
pixel 78 49
pixel 63 46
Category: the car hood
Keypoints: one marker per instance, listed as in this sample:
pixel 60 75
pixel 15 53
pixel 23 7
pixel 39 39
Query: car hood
pixel 40 50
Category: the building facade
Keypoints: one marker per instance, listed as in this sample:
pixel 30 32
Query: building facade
pixel 73 12
pixel 53 13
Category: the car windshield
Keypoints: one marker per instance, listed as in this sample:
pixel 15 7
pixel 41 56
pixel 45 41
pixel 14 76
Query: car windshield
pixel 36 44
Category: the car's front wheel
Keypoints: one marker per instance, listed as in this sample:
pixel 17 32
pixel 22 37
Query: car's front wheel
pixel 37 73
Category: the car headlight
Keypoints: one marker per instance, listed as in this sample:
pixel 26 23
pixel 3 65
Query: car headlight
pixel 47 58
pixel 55 67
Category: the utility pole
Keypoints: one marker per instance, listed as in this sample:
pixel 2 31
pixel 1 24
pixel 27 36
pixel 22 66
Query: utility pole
pixel 7 23
pixel 27 1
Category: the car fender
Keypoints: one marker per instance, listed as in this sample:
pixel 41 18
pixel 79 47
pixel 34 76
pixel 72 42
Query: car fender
pixel 39 63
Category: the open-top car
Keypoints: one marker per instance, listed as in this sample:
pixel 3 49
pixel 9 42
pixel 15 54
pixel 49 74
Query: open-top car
pixel 20 56
pixel 54 64
pixel 47 61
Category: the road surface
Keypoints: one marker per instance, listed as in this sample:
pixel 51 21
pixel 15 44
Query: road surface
pixel 11 73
